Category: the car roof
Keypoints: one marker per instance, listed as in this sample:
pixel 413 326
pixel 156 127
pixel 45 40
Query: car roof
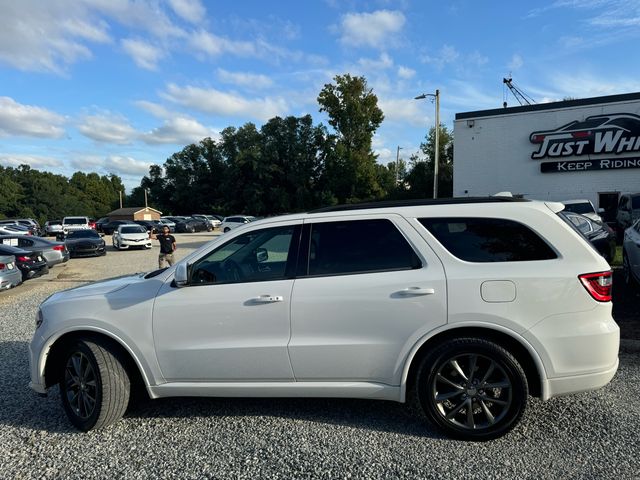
pixel 572 202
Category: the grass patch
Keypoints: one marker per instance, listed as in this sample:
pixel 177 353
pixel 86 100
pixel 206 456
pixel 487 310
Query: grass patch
pixel 617 259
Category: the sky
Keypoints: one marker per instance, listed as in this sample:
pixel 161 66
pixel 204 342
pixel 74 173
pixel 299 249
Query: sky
pixel 114 86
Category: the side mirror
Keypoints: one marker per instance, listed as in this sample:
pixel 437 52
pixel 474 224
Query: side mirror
pixel 181 275
pixel 262 255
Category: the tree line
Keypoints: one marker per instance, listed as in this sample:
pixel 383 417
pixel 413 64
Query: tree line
pixel 287 165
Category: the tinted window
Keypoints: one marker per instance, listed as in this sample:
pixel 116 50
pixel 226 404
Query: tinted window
pixel 75 221
pixel 635 202
pixel 358 246
pixel 83 234
pixel 256 256
pixel 132 230
pixel 488 239
pixel 579 208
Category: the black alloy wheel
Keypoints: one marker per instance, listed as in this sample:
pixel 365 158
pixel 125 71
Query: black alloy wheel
pixel 472 388
pixel 94 385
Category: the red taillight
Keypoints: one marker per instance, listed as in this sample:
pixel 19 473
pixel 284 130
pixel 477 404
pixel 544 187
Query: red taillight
pixel 2 265
pixel 598 285
pixel 23 259
pixel 580 134
pixel 58 248
pixel 538 138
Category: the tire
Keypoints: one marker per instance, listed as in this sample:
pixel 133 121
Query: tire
pixel 449 385
pixel 94 385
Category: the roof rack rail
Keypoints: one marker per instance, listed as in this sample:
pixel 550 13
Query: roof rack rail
pixel 417 202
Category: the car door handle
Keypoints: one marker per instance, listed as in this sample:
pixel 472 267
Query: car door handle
pixel 407 292
pixel 268 299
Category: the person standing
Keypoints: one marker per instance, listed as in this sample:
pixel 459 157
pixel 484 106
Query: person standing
pixel 167 246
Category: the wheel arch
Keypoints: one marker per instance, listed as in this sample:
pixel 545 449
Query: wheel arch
pixel 517 346
pixel 130 361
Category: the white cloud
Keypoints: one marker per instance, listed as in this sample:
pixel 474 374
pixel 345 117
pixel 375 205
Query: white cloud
pixel 447 54
pixel 376 29
pixel 381 63
pixel 191 10
pixel 516 62
pixel 144 54
pixel 583 85
pixel 214 46
pixel 34 161
pixel 403 110
pixel 107 128
pixel 154 109
pixel 118 164
pixel 179 130
pixel 28 120
pixel 214 101
pixel 406 73
pixel 244 79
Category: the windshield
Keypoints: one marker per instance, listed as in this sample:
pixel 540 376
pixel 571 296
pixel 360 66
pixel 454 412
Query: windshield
pixel 83 234
pixel 581 208
pixel 132 230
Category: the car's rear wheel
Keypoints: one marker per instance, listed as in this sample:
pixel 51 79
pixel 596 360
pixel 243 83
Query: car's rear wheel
pixel 472 388
pixel 94 385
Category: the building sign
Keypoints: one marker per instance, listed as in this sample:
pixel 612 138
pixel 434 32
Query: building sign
pixel 616 134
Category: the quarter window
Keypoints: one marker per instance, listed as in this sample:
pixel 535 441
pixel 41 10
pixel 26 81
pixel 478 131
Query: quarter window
pixel 358 246
pixel 488 239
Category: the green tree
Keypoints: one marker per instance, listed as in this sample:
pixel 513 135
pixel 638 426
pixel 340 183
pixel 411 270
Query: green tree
pixel 445 163
pixel 353 112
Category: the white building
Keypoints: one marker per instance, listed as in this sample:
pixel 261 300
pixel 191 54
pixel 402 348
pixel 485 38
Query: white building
pixel 588 148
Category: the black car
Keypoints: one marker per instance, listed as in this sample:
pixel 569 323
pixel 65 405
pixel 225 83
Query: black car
pixel 110 227
pixel 100 222
pixel 85 243
pixel 150 225
pixel 31 263
pixel 192 225
pixel 599 234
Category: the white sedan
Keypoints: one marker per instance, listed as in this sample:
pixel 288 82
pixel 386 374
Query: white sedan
pixel 127 236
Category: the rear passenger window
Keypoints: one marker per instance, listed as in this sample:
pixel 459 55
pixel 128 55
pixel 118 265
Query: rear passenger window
pixel 488 239
pixel 359 246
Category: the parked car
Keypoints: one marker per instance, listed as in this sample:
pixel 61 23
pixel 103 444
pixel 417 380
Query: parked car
pixel 229 223
pixel 72 224
pixel 14 229
pixel 165 221
pixel 85 243
pixel 10 274
pixel 100 222
pixel 212 221
pixel 53 252
pixel 21 225
pixel 467 305
pixel 30 262
pixel 601 235
pixel 128 236
pixel 628 210
pixel 110 227
pixel 53 228
pixel 149 225
pixel 631 253
pixel 192 225
pixel 583 207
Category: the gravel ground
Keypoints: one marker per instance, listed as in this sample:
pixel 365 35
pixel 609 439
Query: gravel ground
pixel 589 435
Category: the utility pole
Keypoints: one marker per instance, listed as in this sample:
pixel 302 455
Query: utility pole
pixel 436 160
pixel 145 198
pixel 398 163
pixel 120 194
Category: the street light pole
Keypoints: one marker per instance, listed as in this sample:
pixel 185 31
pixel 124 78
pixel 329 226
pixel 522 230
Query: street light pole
pixel 398 163
pixel 436 160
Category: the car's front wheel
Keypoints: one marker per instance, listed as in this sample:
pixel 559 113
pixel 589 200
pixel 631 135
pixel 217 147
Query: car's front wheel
pixel 472 388
pixel 94 385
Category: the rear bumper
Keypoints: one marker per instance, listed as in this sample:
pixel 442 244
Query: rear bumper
pixel 579 383
pixel 10 279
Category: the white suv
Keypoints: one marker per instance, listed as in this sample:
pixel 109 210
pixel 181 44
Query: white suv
pixel 72 224
pixel 467 306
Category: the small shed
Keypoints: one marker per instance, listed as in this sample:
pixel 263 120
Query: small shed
pixel 135 213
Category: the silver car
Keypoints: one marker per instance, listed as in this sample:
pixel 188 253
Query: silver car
pixel 631 253
pixel 53 252
pixel 53 227
pixel 10 274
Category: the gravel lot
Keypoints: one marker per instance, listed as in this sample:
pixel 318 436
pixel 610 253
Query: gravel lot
pixel 590 435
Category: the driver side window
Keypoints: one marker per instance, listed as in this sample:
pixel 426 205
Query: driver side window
pixel 257 256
